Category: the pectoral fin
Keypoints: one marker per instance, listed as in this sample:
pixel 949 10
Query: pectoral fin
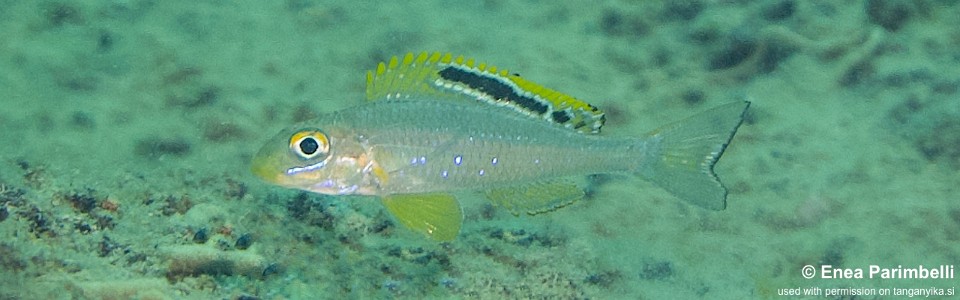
pixel 437 215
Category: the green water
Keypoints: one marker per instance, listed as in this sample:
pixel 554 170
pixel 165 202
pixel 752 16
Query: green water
pixel 126 128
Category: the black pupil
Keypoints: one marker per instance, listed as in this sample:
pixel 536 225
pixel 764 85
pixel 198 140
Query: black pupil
pixel 309 146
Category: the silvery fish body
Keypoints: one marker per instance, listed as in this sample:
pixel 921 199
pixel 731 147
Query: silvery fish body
pixel 436 125
pixel 429 146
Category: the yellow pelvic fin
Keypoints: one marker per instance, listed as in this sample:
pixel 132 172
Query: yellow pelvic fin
pixel 437 215
pixel 447 77
pixel 536 198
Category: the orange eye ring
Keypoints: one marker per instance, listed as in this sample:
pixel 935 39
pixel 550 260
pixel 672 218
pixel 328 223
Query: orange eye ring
pixel 309 144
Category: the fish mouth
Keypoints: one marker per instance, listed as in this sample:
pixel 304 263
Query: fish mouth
pixel 262 173
pixel 262 167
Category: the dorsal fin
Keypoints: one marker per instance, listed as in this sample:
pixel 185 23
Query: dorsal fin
pixel 443 76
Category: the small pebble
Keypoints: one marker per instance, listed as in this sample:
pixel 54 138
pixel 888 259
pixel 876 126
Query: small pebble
pixel 82 120
pixel 82 201
pixel 656 270
pixel 391 285
pixel 448 282
pixel 738 51
pixel 693 97
pixel 889 14
pixel 244 241
pixel 201 236
pixel 682 10
pixel 779 11
pixel 59 14
pixel 105 41
pixel 271 269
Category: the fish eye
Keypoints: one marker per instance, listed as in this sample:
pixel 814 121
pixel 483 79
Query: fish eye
pixel 308 144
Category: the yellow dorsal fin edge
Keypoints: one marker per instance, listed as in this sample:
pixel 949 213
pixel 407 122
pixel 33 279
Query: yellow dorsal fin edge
pixel 448 77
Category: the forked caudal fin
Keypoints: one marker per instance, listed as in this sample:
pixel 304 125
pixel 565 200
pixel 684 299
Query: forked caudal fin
pixel 680 156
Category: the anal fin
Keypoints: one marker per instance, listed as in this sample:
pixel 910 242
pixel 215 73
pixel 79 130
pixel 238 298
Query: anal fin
pixel 437 215
pixel 536 198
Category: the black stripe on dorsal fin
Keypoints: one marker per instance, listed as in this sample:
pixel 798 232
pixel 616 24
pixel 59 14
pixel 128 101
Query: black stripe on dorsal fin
pixel 444 75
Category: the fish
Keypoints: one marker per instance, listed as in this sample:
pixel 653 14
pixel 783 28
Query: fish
pixel 435 124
